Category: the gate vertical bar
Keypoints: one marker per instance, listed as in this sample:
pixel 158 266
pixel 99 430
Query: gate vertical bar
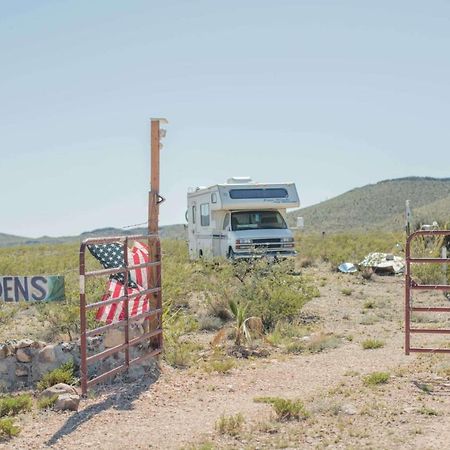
pixel 408 296
pixel 83 344
pixel 127 301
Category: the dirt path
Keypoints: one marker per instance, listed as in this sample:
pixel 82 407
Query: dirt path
pixel 182 407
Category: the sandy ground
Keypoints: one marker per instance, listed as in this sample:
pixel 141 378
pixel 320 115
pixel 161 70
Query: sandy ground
pixel 182 407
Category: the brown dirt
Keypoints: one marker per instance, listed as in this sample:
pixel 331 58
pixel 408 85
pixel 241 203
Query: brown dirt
pixel 181 408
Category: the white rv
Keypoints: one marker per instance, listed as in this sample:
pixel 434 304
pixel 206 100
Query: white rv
pixel 240 219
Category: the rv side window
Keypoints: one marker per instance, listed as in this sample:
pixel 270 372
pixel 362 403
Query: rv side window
pixel 226 221
pixel 204 214
pixel 258 193
pixel 213 197
pixel 193 214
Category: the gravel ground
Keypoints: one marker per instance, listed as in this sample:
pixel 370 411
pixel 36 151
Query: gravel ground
pixel 180 409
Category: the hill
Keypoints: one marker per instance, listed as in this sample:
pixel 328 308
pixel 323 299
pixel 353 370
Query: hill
pixel 375 206
pixel 168 231
pixel 380 206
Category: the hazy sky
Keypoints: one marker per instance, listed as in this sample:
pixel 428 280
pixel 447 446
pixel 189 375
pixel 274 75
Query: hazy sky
pixel 329 94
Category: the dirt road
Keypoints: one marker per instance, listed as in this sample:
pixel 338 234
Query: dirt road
pixel 181 408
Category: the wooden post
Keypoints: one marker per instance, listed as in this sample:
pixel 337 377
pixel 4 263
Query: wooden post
pixel 154 272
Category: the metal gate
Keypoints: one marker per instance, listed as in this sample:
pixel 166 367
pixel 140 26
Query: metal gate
pixel 153 334
pixel 411 285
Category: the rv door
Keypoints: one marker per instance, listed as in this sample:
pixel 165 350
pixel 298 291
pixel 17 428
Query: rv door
pixel 192 230
pixel 225 232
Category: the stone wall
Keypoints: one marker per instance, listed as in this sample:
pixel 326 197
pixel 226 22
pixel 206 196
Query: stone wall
pixel 24 362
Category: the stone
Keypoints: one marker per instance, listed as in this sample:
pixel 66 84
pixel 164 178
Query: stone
pixel 67 402
pixel 24 354
pixel 3 351
pixel 67 347
pixel 23 343
pixel 349 409
pixel 22 370
pixel 38 345
pixel 47 354
pixel 114 337
pixel 6 364
pixel 59 389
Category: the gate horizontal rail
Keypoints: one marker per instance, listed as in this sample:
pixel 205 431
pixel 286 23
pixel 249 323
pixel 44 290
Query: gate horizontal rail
pixel 411 285
pixel 153 290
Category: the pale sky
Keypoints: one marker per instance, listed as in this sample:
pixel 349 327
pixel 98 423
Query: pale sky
pixel 329 94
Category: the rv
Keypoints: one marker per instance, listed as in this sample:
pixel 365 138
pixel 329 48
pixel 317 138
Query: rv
pixel 241 219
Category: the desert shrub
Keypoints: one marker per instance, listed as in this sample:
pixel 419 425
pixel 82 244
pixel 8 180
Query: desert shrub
pixel 286 332
pixel 219 365
pixel 369 304
pixel 63 374
pixel 178 351
pixel 346 247
pixel 285 409
pixel 8 429
pixel 370 344
pixel 321 342
pixel 231 425
pixel 428 247
pixel 347 291
pixel 209 323
pixel 274 294
pixel 295 347
pixel 376 378
pixel 13 405
pixel 179 355
pixel 47 402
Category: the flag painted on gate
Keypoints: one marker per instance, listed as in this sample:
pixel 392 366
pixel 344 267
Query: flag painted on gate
pixel 112 256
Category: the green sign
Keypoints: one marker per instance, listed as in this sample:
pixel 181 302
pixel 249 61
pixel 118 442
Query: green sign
pixel 32 289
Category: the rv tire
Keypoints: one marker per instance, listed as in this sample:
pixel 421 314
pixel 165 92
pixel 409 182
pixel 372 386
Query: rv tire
pixel 230 254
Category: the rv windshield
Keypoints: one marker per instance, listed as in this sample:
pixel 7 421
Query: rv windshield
pixel 255 220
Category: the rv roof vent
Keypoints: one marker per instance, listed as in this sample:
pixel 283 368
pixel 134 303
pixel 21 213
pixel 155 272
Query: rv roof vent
pixel 239 180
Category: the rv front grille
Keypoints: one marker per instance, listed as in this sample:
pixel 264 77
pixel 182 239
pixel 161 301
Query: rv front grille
pixel 269 243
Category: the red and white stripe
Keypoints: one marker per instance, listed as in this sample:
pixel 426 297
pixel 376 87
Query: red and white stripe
pixel 116 311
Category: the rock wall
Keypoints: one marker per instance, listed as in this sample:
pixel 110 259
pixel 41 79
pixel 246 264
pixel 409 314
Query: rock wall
pixel 24 362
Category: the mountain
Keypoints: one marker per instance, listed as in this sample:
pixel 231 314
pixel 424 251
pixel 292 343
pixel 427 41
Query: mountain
pixel 375 206
pixel 380 206
pixel 168 231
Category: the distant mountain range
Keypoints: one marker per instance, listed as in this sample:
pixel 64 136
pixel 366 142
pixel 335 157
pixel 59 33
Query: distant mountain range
pixel 169 231
pixel 375 206
pixel 380 206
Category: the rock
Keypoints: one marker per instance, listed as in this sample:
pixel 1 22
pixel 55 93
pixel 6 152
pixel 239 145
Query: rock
pixel 47 354
pixel 24 354
pixel 59 389
pixel 67 402
pixel 349 409
pixel 7 365
pixel 38 345
pixel 22 370
pixel 67 347
pixel 23 343
pixel 116 336
pixel 3 351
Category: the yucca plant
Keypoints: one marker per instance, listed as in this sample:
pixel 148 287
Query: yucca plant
pixel 244 325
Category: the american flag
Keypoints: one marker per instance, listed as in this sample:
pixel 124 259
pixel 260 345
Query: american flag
pixel 112 256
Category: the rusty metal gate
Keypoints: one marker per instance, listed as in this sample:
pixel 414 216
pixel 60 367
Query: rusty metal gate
pixel 411 285
pixel 153 317
pixel 153 334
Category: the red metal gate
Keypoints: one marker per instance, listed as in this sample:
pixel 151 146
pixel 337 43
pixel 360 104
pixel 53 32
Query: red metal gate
pixel 411 285
pixel 153 334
